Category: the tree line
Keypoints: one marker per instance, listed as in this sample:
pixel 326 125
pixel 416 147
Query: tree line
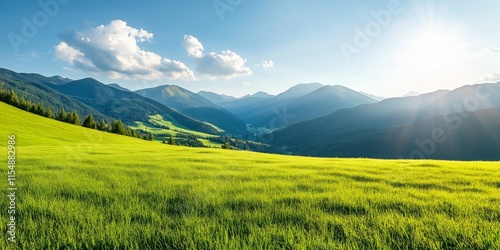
pixel 116 126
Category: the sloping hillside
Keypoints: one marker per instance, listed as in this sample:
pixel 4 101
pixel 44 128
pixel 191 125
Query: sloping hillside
pixel 197 107
pixel 86 189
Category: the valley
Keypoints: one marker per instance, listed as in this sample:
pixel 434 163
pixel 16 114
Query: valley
pixel 309 119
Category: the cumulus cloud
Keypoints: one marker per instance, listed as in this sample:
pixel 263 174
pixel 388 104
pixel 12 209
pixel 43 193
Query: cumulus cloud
pixel 193 47
pixel 112 50
pixel 226 63
pixel 490 77
pixel 266 64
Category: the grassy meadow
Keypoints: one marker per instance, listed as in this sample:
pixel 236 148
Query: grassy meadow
pixel 84 189
pixel 158 126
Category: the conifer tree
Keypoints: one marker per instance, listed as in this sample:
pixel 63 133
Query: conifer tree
pixel 62 115
pixel 74 118
pixel 69 118
pixel 3 95
pixel 171 141
pixel 89 122
pixel 13 100
pixel 48 113
pixel 23 104
pixel 134 133
pixel 32 108
pixel 40 109
pixel 226 146
pixel 118 128
pixel 103 125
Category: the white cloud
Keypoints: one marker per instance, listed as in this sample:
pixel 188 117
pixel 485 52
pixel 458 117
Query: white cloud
pixel 193 46
pixel 112 50
pixel 490 51
pixel 494 49
pixel 491 77
pixel 245 84
pixel 266 64
pixel 226 63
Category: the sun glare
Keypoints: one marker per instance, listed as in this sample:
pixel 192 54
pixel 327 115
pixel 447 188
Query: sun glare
pixel 432 47
pixel 432 50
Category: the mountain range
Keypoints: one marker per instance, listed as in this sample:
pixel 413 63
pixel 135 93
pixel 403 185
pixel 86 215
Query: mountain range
pixel 299 103
pixel 34 87
pixel 89 96
pixel 395 127
pixel 309 119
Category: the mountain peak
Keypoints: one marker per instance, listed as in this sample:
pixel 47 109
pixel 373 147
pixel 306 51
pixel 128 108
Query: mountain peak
pixel 411 93
pixel 117 86
pixel 175 97
pixel 300 90
pixel 174 90
pixel 260 94
pixel 216 98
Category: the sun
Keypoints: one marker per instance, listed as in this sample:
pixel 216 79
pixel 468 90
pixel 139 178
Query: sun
pixel 432 50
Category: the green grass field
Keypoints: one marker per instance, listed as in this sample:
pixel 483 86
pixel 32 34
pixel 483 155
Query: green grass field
pixel 156 122
pixel 84 189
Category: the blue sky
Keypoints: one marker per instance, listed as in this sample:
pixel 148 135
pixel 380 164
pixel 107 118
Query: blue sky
pixel 236 47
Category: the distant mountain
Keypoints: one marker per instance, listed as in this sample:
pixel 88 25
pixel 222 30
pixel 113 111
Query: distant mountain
pixel 216 98
pixel 34 78
pixel 250 107
pixel 37 92
pixel 374 97
pixel 384 114
pixel 318 103
pixel 175 97
pixel 322 136
pixel 253 108
pixel 260 94
pixel 273 112
pixel 411 93
pixel 219 117
pixel 299 90
pixel 116 86
pixel 474 138
pixel 196 106
pixel 127 106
